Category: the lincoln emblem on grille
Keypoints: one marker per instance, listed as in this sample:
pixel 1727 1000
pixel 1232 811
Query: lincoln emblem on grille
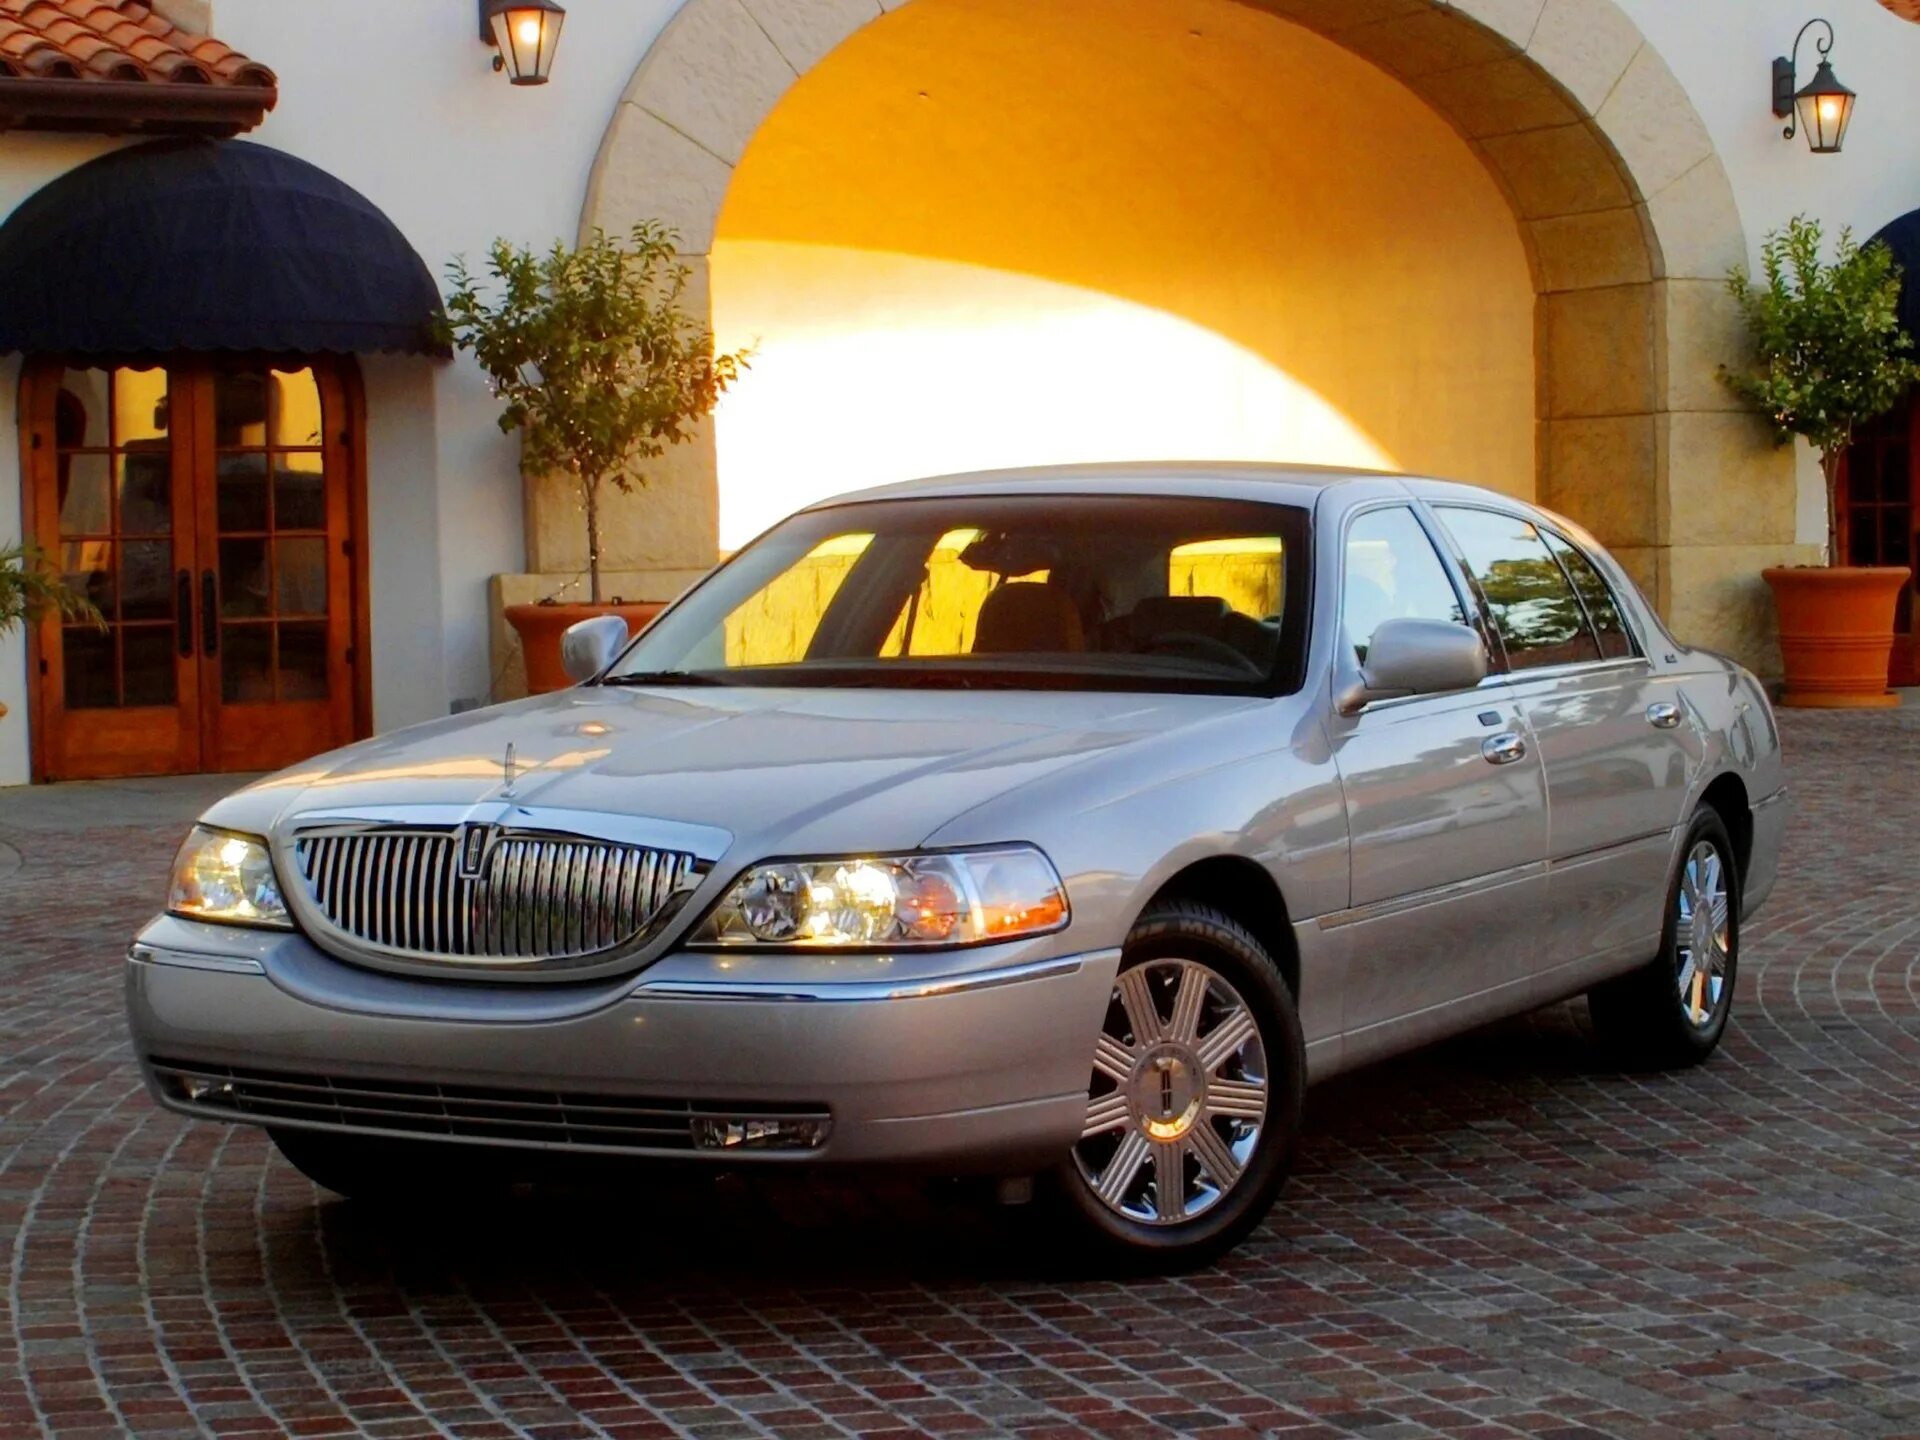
pixel 474 840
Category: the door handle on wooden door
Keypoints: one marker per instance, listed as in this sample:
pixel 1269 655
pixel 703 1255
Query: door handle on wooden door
pixel 209 614
pixel 183 612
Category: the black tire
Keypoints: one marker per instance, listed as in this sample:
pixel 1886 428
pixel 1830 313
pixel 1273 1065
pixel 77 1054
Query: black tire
pixel 376 1170
pixel 1184 930
pixel 1641 1016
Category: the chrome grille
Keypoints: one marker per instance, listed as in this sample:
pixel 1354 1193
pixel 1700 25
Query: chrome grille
pixel 535 896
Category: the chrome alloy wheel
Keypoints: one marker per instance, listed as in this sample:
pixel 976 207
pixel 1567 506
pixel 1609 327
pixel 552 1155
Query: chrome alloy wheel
pixel 1178 1097
pixel 1703 933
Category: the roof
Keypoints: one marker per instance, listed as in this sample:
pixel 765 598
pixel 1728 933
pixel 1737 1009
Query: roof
pixel 117 66
pixel 1224 478
pixel 1282 483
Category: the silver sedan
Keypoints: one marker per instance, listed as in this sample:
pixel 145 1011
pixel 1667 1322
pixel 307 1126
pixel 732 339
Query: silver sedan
pixel 1060 825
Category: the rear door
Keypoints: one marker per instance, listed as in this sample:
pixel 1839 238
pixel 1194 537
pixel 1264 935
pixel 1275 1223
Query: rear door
pixel 1446 808
pixel 1611 734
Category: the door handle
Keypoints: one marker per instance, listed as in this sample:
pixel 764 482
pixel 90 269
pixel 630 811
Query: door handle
pixel 183 612
pixel 1663 715
pixel 1504 748
pixel 209 614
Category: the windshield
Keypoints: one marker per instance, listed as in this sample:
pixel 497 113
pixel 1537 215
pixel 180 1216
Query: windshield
pixel 1090 592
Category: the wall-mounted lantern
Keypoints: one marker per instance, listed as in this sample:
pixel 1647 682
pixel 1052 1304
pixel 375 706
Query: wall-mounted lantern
pixel 1823 106
pixel 524 35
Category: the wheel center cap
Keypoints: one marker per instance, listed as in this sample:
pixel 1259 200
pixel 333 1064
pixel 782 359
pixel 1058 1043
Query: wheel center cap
pixel 1167 1090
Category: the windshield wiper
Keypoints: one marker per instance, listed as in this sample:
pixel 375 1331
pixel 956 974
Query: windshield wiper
pixel 664 677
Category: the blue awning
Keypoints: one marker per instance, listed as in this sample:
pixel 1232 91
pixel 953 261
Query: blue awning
pixel 1903 238
pixel 195 244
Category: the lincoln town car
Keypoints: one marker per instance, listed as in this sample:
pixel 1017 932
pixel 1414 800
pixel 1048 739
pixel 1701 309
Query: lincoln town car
pixel 1059 827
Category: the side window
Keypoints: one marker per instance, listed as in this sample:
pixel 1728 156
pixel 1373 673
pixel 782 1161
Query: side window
pixel 1392 573
pixel 1615 641
pixel 1532 605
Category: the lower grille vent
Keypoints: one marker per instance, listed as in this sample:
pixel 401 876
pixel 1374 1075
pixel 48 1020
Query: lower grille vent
pixel 612 1124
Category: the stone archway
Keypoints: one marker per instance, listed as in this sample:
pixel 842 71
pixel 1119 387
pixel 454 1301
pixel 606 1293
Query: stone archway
pixel 1626 212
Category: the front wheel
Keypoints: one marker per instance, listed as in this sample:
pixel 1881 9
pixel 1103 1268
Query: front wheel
pixel 1673 1010
pixel 1193 1107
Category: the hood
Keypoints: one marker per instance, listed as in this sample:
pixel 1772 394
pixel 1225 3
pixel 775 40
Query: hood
pixel 780 771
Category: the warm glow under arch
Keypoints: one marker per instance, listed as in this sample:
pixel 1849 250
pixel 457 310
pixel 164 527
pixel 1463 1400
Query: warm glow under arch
pixel 1621 209
pixel 985 233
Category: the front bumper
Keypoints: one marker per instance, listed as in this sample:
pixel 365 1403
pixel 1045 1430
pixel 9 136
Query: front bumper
pixel 975 1060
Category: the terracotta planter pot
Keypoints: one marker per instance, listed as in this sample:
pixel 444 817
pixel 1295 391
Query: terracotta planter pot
pixel 541 626
pixel 1836 634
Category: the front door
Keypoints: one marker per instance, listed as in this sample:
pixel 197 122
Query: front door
pixel 1447 810
pixel 1880 517
pixel 207 510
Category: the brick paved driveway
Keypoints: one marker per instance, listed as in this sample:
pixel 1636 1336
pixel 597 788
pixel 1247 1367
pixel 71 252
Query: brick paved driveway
pixel 1502 1238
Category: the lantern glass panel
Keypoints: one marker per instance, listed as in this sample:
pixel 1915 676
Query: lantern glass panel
pixel 1826 108
pixel 527 36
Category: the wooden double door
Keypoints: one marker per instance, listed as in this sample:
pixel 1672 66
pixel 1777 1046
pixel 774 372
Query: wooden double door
pixel 1880 518
pixel 209 511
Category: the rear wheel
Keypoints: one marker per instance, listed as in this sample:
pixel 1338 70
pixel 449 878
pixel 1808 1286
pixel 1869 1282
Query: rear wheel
pixel 1673 1010
pixel 1194 1103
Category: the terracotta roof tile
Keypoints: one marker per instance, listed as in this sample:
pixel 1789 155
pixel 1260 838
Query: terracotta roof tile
pixel 119 40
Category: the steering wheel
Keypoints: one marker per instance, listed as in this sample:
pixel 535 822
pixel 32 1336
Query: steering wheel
pixel 1200 647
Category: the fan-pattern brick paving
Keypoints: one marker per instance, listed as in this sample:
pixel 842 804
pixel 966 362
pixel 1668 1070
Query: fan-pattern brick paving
pixel 1505 1237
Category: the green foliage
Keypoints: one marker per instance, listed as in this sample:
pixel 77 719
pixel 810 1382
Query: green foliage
pixel 31 588
pixel 600 368
pixel 1829 351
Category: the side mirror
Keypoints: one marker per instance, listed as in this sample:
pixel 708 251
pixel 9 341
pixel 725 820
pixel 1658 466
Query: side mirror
pixel 1417 657
pixel 589 646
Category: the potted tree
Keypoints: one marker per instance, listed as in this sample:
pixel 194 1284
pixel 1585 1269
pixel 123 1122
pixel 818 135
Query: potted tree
pixel 30 588
pixel 1829 354
pixel 601 370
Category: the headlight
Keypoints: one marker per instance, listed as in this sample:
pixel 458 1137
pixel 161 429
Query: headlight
pixel 219 875
pixel 891 902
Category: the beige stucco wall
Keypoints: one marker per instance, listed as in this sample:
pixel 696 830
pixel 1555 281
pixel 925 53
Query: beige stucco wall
pixel 1625 212
pixel 985 232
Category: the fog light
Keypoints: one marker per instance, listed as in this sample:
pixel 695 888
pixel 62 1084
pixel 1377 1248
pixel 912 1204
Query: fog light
pixel 199 1090
pixel 724 1132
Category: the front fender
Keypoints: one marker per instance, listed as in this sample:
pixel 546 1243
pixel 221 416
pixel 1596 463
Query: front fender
pixel 1119 835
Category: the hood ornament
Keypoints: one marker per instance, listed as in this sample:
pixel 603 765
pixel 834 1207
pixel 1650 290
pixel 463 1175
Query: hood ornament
pixel 509 771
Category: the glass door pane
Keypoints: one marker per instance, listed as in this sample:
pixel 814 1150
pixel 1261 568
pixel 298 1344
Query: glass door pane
pixel 271 537
pixel 113 494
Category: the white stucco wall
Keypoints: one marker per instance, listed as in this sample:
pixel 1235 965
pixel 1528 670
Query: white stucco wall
pixel 399 101
pixel 455 156
pixel 1722 51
